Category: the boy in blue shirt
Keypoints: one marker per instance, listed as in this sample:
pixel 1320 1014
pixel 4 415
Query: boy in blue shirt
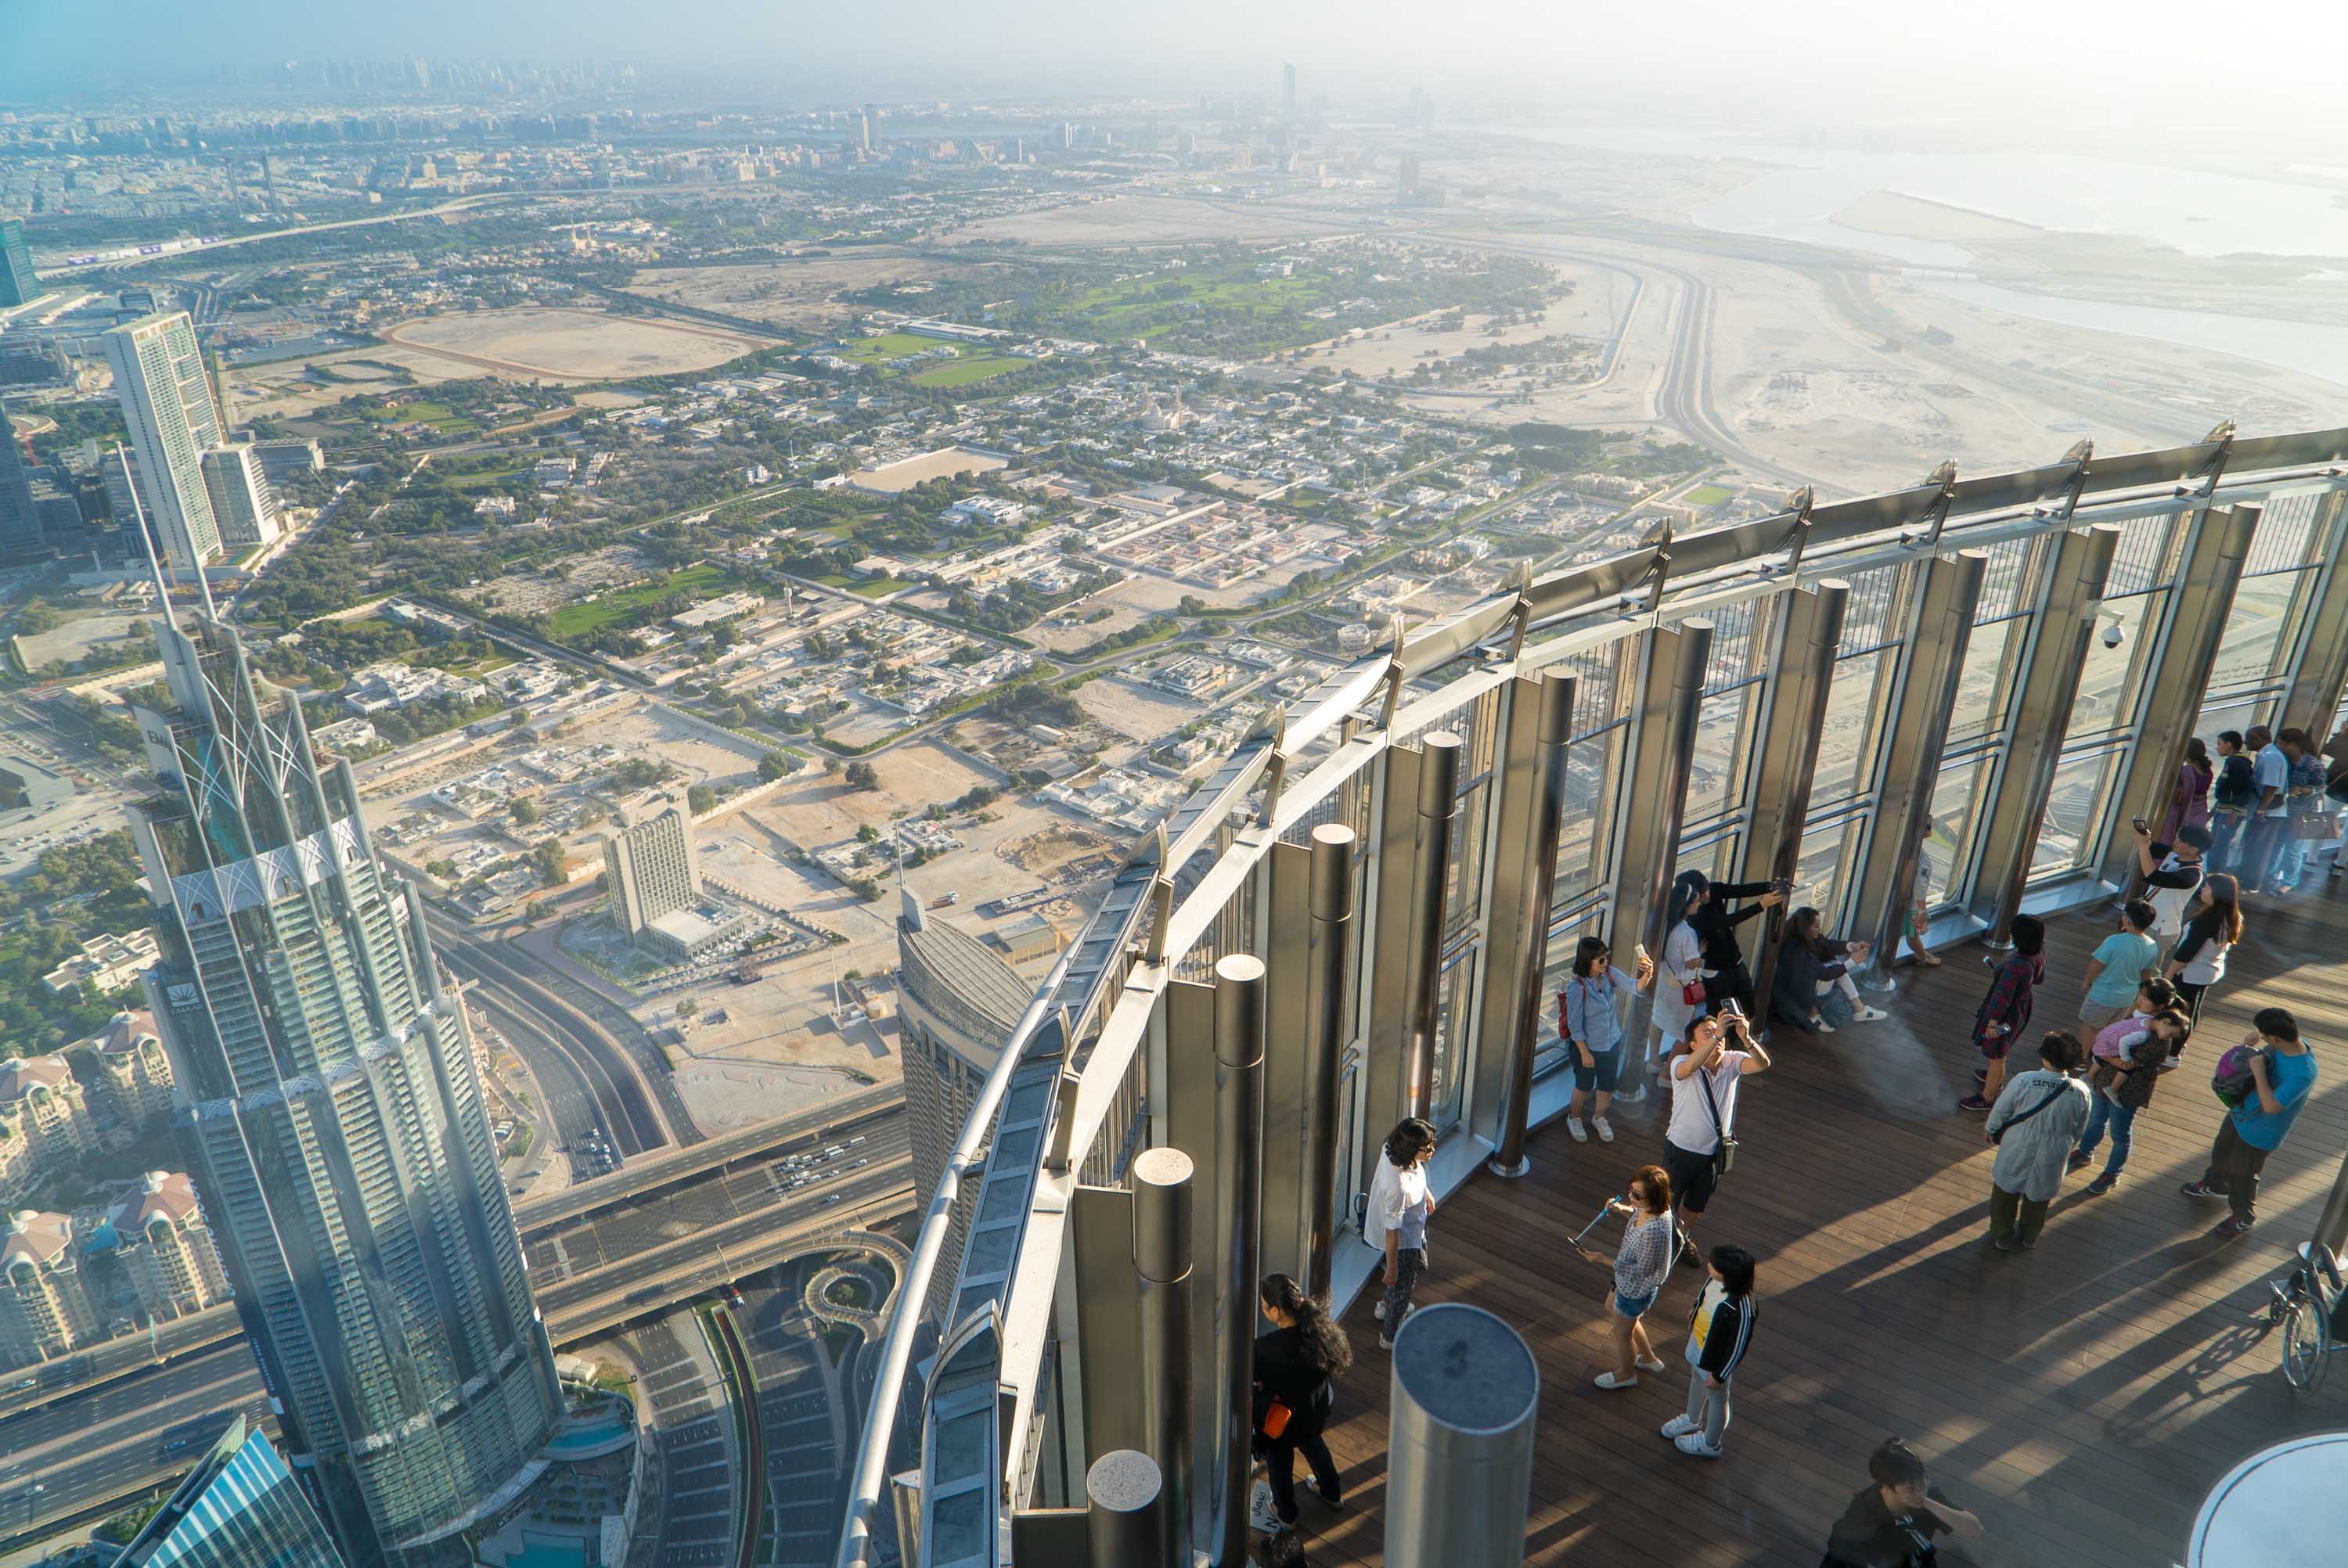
pixel 2128 957
pixel 2281 1074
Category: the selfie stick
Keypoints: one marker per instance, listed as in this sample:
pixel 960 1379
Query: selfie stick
pixel 1600 1214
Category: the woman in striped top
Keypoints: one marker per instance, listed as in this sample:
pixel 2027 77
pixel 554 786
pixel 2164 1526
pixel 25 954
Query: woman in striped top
pixel 1641 1265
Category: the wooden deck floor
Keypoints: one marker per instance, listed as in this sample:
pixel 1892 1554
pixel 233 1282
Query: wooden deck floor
pixel 2081 1397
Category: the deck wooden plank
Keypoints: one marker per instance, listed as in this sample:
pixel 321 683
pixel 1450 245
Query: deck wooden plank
pixel 2081 1397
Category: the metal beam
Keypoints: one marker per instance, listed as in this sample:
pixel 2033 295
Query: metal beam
pixel 1107 1306
pixel 1793 718
pixel 1329 944
pixel 1284 937
pixel 1239 1150
pixel 1385 953
pixel 1438 813
pixel 2319 683
pixel 2210 569
pixel 1518 928
pixel 1931 665
pixel 2059 635
pixel 1652 800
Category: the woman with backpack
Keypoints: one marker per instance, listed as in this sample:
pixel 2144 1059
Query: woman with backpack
pixel 2211 929
pixel 1590 1023
pixel 1294 1366
pixel 2033 1126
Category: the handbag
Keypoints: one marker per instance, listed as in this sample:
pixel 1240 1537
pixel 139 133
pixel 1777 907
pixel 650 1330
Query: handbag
pixel 2060 1090
pixel 1694 994
pixel 2314 828
pixel 1725 1155
pixel 1276 1417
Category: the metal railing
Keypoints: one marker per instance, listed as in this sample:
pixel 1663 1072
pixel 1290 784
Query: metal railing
pixel 1117 995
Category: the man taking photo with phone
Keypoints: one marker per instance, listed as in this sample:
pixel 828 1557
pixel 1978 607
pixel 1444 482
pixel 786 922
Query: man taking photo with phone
pixel 1700 1142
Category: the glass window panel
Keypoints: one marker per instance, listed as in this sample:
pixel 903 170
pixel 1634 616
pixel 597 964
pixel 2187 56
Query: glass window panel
pixel 2261 610
pixel 1715 773
pixel 1960 799
pixel 1992 653
pixel 1592 766
pixel 2066 832
pixel 1455 1001
pixel 2236 716
pixel 1823 867
pixel 2110 676
pixel 2141 557
pixel 1871 612
pixel 1845 752
pixel 2005 582
pixel 2281 542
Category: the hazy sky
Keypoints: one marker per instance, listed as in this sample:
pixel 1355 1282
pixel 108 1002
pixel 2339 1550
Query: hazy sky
pixel 1814 61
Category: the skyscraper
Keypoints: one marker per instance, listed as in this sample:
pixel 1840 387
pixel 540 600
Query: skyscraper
pixel 244 507
pixel 20 518
pixel 167 402
pixel 652 870
pixel 18 282
pixel 239 1508
pixel 333 1121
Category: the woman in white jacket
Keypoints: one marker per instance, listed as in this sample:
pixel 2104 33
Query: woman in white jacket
pixel 1679 971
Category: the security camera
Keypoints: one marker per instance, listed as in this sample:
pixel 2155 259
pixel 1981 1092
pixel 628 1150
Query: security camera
pixel 2114 635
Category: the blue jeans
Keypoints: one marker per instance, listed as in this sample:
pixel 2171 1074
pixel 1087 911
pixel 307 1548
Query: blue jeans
pixel 2225 835
pixel 2122 1120
pixel 2290 864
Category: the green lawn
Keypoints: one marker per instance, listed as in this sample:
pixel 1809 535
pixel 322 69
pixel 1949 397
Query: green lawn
pixel 874 587
pixel 976 362
pixel 484 479
pixel 1142 307
pixel 971 367
pixel 1707 495
pixel 703 580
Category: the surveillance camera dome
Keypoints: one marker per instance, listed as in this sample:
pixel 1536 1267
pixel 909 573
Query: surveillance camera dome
pixel 2114 635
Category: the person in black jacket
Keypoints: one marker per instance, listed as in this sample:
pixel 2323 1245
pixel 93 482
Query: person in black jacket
pixel 1892 1524
pixel 1719 1332
pixel 1715 927
pixel 1293 1365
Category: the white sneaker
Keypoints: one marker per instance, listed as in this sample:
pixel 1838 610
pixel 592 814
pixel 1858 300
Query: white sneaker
pixel 1692 1444
pixel 1678 1426
pixel 1385 1343
pixel 1378 1309
pixel 1605 1132
pixel 1820 1026
pixel 1652 1364
pixel 1609 1380
pixel 1581 1133
pixel 1868 1015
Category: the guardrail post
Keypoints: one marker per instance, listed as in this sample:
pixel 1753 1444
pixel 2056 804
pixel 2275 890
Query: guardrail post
pixel 1459 1445
pixel 1161 1261
pixel 1239 1149
pixel 1332 917
pixel 1438 810
pixel 1792 720
pixel 1538 877
pixel 1124 1495
pixel 2060 632
pixel 1653 801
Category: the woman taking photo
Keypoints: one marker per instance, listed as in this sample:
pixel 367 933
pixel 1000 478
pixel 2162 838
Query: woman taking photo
pixel 1723 961
pixel 1679 979
pixel 1293 1365
pixel 1399 1204
pixel 1591 1026
pixel 2198 960
pixel 1642 1263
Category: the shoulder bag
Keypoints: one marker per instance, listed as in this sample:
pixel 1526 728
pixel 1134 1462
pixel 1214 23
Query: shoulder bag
pixel 1725 1155
pixel 2060 1090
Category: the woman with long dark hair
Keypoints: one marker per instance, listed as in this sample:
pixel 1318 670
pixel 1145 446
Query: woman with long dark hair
pixel 1681 998
pixel 2188 798
pixel 1727 978
pixel 1293 1368
pixel 2198 960
pixel 1397 1221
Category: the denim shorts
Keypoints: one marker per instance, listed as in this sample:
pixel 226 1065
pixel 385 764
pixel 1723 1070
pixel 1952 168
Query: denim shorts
pixel 1633 1306
pixel 1600 1077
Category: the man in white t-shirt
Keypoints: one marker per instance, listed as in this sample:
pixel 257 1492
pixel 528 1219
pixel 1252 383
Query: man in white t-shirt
pixel 1707 1069
pixel 2271 816
pixel 2172 874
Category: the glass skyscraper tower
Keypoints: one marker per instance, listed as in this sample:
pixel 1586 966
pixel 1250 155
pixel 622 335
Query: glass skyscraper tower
pixel 333 1121
pixel 239 1508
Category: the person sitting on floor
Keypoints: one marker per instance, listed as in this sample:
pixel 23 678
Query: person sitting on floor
pixel 1813 988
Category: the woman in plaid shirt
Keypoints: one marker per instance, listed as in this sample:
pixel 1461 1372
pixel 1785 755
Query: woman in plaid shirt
pixel 2006 1012
pixel 1642 1263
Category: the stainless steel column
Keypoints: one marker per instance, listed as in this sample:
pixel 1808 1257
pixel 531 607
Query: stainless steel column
pixel 1125 1495
pixel 1534 842
pixel 2312 704
pixel 2210 569
pixel 1161 1261
pixel 1459 1443
pixel 1282 887
pixel 1438 809
pixel 1653 801
pixel 1793 718
pixel 1381 1009
pixel 2059 635
pixel 1238 1147
pixel 1332 920
pixel 1932 665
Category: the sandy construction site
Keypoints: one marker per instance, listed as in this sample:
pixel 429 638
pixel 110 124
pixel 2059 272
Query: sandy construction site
pixel 583 345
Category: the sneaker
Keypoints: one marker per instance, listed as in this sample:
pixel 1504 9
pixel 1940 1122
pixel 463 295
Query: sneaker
pixel 2228 1228
pixel 1609 1380
pixel 1605 1129
pixel 2202 1189
pixel 1694 1447
pixel 1974 1104
pixel 1385 1343
pixel 2078 1160
pixel 1378 1309
pixel 1689 1256
pixel 2030 1247
pixel 1573 1127
pixel 2101 1185
pixel 1333 1499
pixel 2003 1244
pixel 1679 1426
pixel 1820 1026
pixel 1634 1095
pixel 1867 1014
pixel 1650 1364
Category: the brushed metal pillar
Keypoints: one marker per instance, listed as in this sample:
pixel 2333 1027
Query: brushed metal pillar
pixel 1331 913
pixel 1550 702
pixel 1284 937
pixel 1652 801
pixel 1099 1329
pixel 1124 1496
pixel 1792 720
pixel 1162 1264
pixel 2060 633
pixel 905 1506
pixel 1193 1123
pixel 1932 667
pixel 2331 1223
pixel 1382 1008
pixel 2318 685
pixel 1438 811
pixel 1459 1446
pixel 1239 1149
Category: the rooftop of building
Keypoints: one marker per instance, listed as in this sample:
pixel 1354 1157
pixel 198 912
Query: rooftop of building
pixel 36 1237
pixel 125 1031
pixel 159 1194
pixel 20 1075
pixel 957 976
